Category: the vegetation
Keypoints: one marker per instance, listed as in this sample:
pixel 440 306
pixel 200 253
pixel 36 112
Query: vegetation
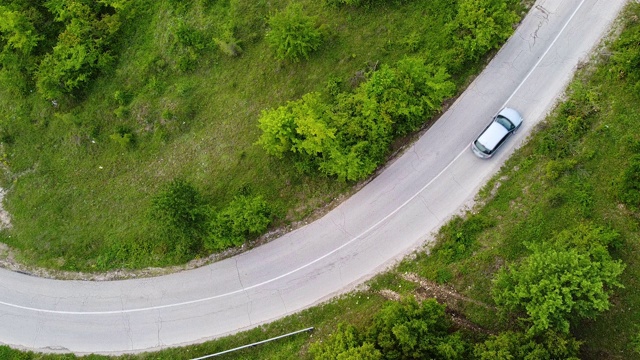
pixel 568 278
pixel 104 105
pixel 553 252
pixel 401 330
pixel 292 34
pixel 516 345
pixel 350 136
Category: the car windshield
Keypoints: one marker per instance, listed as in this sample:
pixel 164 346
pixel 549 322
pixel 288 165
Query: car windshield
pixel 482 148
pixel 505 122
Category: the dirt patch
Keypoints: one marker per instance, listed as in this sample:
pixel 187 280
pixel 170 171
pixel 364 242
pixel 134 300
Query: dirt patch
pixel 449 297
pixel 5 218
pixel 442 293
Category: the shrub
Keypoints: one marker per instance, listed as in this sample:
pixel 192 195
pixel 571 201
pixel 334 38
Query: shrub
pixel 567 278
pixel 360 3
pixel 482 25
pixel 181 213
pixel 299 127
pixel 229 46
pixel 625 58
pixel 517 345
pixel 629 192
pixel 124 137
pixel 188 45
pixel 634 342
pixel 82 49
pixel 245 216
pixel 19 40
pixel 412 330
pixel 556 168
pixel 350 137
pixel 293 35
pixel 345 343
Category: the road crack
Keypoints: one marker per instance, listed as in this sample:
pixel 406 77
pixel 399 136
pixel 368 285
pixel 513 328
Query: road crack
pixel 544 19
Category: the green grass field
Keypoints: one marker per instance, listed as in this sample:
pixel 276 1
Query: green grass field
pixel 80 200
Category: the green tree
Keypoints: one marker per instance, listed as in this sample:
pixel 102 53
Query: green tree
pixel 409 330
pixel 299 127
pixel 292 34
pixel 244 216
pixel 82 49
pixel 181 213
pixel 17 32
pixel 362 138
pixel 511 345
pixel 482 25
pixel 568 278
pixel 349 138
pixel 345 344
pixel 19 39
pixel 409 93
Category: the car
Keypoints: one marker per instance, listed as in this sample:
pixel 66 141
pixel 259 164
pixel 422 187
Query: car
pixel 505 123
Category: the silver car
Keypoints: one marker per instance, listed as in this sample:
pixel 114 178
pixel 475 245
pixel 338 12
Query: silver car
pixel 503 125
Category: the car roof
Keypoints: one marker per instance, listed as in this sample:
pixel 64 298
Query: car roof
pixel 492 135
pixel 513 116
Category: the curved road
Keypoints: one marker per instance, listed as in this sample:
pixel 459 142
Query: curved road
pixel 393 214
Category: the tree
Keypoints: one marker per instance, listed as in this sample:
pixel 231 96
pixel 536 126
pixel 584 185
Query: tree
pixel 18 40
pixel 17 32
pixel 511 345
pixel 292 34
pixel 181 212
pixel 300 127
pixel 345 344
pixel 82 49
pixel 409 93
pixel 481 25
pixel 410 330
pixel 350 137
pixel 244 216
pixel 567 278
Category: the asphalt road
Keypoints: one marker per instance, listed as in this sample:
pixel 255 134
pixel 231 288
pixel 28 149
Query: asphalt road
pixel 394 213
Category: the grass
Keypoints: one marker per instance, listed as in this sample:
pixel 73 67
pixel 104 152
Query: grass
pixel 565 175
pixel 79 194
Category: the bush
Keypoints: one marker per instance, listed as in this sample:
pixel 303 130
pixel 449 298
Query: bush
pixel 344 344
pixel 181 213
pixel 482 25
pixel 245 216
pixel 567 278
pixel 299 127
pixel 350 137
pixel 82 49
pixel 629 192
pixel 401 330
pixel 360 3
pixel 124 137
pixel 625 58
pixel 517 345
pixel 410 330
pixel 556 168
pixel 293 35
